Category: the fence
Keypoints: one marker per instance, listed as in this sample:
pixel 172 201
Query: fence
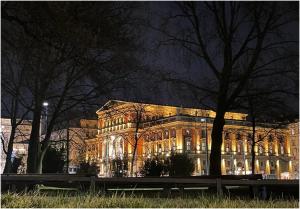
pixel 256 184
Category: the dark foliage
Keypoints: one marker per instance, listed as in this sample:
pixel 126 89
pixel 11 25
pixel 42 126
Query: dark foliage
pixel 120 167
pixel 180 165
pixel 53 161
pixel 15 165
pixel 88 169
pixel 153 167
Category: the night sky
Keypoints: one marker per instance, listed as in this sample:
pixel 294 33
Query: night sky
pixel 147 86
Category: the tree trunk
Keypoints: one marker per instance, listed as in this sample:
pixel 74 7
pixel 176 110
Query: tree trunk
pixel 253 145
pixel 8 162
pixel 216 135
pixel 133 155
pixel 34 143
pixel 40 161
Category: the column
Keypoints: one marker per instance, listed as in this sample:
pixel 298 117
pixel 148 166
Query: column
pixel 267 167
pixel 233 143
pixel 179 139
pixel 223 167
pixel 198 141
pixel 278 169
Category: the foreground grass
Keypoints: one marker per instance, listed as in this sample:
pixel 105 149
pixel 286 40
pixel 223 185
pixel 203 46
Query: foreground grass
pixel 36 200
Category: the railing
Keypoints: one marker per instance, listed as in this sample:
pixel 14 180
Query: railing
pixel 218 182
pixel 185 118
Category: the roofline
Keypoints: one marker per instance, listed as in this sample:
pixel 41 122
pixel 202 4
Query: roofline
pixel 124 102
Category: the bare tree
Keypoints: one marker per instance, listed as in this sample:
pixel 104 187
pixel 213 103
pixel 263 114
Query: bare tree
pixel 12 100
pixel 137 114
pixel 234 42
pixel 62 50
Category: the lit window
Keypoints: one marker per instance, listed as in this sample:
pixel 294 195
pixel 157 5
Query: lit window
pixel 227 148
pixel 159 148
pixel 203 145
pixel 188 143
pixel 166 134
pixel 239 148
pixel 281 149
pixel 293 131
pixel 173 144
pixel 260 149
pixel 271 148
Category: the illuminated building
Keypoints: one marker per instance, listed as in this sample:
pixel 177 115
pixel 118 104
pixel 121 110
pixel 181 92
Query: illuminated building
pixel 20 145
pixel 294 137
pixel 69 136
pixel 164 129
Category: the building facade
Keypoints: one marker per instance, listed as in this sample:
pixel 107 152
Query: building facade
pixel 150 130
pixel 20 145
pixel 294 137
pixel 71 137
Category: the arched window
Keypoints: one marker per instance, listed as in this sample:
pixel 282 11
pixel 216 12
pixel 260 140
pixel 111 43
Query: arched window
pixel 226 136
pixel 173 133
pixel 166 134
pixel 174 144
pixel 281 144
pixel 188 143
pixel 260 148
pixel 203 133
pixel 227 146
pixel 238 136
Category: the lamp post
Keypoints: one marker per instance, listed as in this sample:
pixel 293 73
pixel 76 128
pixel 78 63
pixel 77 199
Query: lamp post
pixel 206 147
pixel 244 157
pixel 45 104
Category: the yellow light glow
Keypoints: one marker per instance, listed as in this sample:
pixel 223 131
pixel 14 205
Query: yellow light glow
pixel 267 167
pixel 223 168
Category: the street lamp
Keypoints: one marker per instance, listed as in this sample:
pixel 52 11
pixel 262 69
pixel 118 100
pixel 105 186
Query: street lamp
pixel 206 143
pixel 45 104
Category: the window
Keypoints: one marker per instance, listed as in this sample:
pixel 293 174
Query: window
pixel 166 146
pixel 238 136
pixel 166 134
pixel 173 133
pixel 159 148
pixel 203 145
pixel 173 144
pixel 226 136
pixel 227 146
pixel 281 149
pixel 203 133
pixel 260 149
pixel 293 131
pixel 261 164
pixel 249 147
pixel 188 144
pixel 159 136
pixel 239 148
pixel 271 148
pixel 270 138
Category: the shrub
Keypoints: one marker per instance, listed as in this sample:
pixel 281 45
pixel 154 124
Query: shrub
pixel 88 169
pixel 120 167
pixel 53 161
pixel 180 165
pixel 153 167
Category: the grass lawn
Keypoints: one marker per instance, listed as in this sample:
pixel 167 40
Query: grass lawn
pixel 84 200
